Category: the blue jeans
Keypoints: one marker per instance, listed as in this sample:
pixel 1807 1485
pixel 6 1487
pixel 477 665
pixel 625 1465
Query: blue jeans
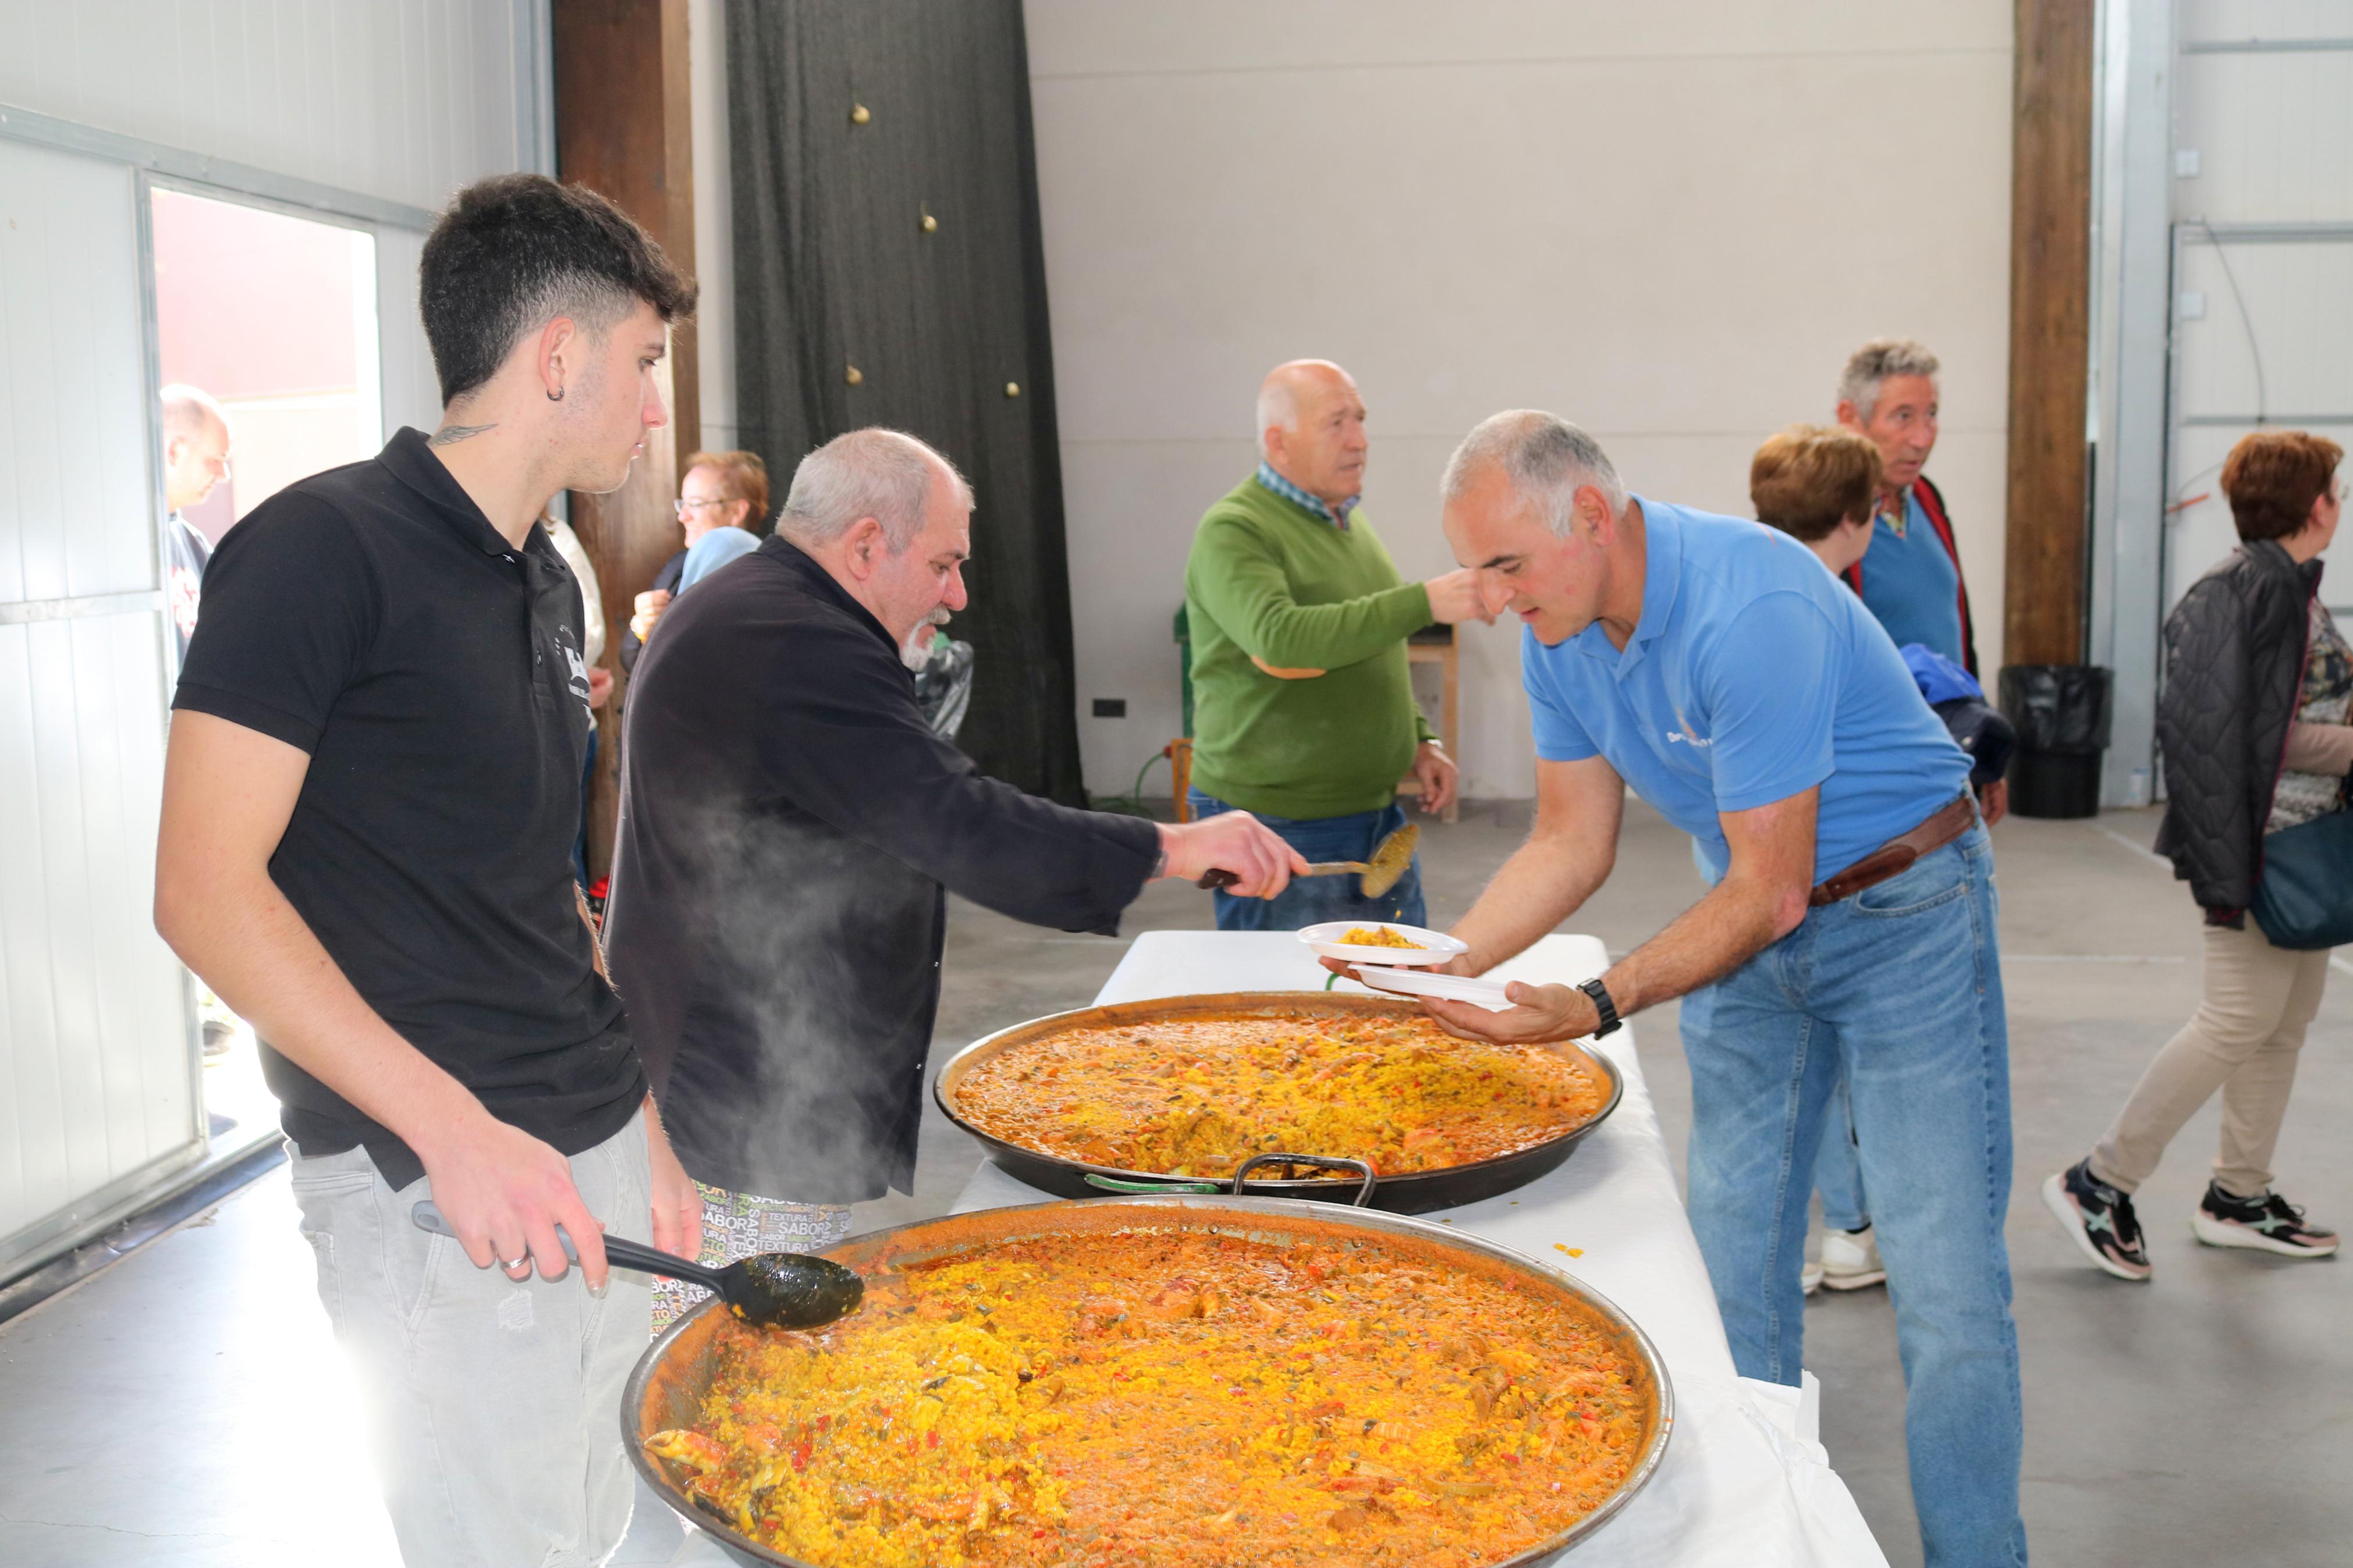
pixel 1311 901
pixel 1838 1174
pixel 1900 988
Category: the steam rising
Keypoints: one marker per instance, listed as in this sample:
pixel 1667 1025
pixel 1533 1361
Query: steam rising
pixel 810 961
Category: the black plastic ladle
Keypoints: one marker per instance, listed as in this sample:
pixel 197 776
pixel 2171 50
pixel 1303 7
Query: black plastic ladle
pixel 774 1289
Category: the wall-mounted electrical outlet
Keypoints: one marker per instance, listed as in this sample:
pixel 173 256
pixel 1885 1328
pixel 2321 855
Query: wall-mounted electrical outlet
pixel 2185 163
pixel 1111 707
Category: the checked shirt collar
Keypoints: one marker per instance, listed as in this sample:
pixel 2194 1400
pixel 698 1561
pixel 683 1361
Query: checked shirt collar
pixel 1338 516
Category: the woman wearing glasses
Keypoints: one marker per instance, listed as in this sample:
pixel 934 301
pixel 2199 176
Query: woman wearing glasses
pixel 721 490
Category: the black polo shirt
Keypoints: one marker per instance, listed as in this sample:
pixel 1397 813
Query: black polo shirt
pixel 372 616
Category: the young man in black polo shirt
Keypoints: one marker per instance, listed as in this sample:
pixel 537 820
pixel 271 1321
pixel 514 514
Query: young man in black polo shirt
pixel 369 805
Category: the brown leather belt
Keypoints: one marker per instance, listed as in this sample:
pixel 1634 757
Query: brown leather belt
pixel 1955 818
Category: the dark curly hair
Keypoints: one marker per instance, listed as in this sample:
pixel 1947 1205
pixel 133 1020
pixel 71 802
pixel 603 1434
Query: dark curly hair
pixel 515 251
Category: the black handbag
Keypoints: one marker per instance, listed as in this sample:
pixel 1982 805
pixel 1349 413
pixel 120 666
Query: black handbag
pixel 2305 897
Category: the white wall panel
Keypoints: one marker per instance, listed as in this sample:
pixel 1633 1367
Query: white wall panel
pixel 2298 301
pixel 1670 224
pixel 2235 21
pixel 402 99
pixel 376 110
pixel 2273 135
pixel 74 512
pixel 411 393
pixel 2298 318
pixel 95 1083
pixel 2272 125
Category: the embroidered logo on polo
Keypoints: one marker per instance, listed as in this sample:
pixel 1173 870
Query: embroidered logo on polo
pixel 576 667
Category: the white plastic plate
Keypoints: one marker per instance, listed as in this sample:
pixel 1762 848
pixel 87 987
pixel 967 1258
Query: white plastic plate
pixel 1477 992
pixel 1436 947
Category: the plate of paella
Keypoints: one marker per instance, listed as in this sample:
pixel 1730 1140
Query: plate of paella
pixel 1382 941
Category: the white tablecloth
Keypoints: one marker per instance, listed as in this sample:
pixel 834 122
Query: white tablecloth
pixel 1744 1484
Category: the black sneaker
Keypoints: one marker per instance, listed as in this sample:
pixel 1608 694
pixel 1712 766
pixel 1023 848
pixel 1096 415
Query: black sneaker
pixel 2099 1219
pixel 2269 1224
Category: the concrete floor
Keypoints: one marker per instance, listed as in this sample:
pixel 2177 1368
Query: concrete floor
pixel 185 1407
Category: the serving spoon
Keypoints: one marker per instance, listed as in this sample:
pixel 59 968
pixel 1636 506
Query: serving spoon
pixel 1391 856
pixel 772 1290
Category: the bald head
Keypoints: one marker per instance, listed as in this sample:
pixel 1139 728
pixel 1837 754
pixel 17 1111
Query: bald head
pixel 187 410
pixel 1311 427
pixel 196 446
pixel 1297 385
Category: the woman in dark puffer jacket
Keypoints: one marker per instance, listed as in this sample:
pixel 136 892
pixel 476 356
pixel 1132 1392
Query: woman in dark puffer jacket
pixel 2256 727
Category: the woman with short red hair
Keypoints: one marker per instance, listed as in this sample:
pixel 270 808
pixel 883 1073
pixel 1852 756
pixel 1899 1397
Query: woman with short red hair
pixel 2256 725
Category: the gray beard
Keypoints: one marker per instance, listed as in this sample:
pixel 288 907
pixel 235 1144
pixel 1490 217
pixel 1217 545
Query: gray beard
pixel 916 652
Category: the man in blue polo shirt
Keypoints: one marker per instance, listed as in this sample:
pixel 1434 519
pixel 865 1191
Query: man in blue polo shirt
pixel 1714 666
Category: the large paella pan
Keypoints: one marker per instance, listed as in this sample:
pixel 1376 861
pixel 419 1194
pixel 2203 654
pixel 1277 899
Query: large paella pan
pixel 1551 1097
pixel 1172 1381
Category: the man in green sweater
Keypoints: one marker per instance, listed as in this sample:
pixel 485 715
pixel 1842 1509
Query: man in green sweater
pixel 1303 708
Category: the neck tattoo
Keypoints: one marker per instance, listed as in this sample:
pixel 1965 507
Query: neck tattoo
pixel 450 434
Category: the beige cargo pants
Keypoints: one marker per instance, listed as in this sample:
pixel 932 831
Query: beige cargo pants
pixel 492 1407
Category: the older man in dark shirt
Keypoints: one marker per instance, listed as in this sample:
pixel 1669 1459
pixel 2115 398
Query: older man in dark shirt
pixel 789 824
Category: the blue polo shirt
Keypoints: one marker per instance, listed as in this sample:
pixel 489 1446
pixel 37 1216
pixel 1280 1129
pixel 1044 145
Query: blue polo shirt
pixel 1911 585
pixel 1753 676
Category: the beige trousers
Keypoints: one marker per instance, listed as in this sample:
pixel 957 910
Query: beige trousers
pixel 2242 1040
pixel 489 1403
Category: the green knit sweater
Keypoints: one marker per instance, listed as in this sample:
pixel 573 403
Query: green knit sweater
pixel 1268 578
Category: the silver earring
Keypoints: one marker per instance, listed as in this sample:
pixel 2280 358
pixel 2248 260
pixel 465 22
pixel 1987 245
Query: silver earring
pixel 557 397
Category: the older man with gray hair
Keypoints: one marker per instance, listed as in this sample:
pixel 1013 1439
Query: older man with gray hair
pixel 1911 577
pixel 1717 669
pixel 789 825
pixel 1303 708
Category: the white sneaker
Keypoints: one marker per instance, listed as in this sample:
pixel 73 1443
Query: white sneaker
pixel 1851 1261
pixel 1810 1276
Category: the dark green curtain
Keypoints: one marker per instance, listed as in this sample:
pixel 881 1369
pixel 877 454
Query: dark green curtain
pixel 850 311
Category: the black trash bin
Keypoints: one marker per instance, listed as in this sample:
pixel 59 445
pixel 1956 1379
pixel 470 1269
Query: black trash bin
pixel 2061 713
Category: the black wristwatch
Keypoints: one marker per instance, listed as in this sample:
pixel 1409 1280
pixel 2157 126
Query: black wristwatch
pixel 1603 1006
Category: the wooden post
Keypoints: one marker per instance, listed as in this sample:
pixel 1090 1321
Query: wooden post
pixel 2049 327
pixel 622 129
pixel 1446 652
